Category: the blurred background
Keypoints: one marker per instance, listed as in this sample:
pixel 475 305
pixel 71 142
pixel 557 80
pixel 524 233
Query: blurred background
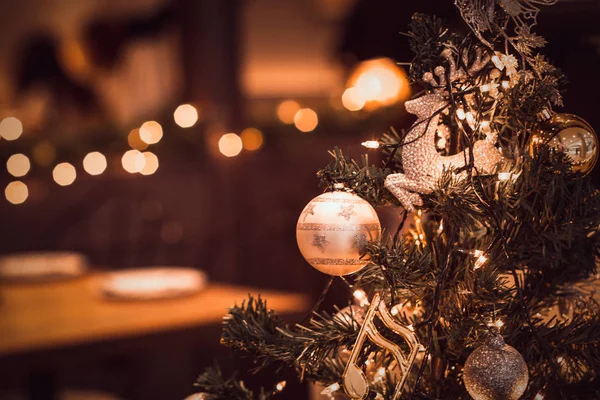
pixel 187 133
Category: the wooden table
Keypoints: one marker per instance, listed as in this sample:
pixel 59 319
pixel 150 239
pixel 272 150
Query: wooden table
pixel 45 327
pixel 50 315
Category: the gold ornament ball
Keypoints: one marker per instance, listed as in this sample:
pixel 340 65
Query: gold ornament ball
pixel 333 230
pixel 572 135
pixel 495 371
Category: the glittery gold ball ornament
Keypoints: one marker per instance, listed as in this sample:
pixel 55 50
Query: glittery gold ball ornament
pixel 572 135
pixel 333 230
pixel 495 371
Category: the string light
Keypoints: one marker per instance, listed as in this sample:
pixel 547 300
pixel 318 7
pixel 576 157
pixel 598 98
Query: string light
pixel 306 120
pixel 11 128
pixel 252 139
pixel 185 115
pixel 331 389
pixel 539 396
pixel 361 296
pixel 497 62
pixel 481 259
pixel 286 111
pixel 133 161
pixel 18 165
pixel 371 144
pixel 151 132
pixel 64 174
pixel 150 163
pixel 353 99
pixel 470 119
pixel 280 386
pixel 460 113
pixel 485 88
pixel 16 192
pixel 497 323
pixel 94 163
pixel 505 84
pixel 230 145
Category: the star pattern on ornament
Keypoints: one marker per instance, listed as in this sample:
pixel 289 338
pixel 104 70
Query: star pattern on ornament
pixel 360 240
pixel 346 211
pixel 309 210
pixel 320 241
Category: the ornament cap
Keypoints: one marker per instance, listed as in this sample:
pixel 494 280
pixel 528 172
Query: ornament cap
pixel 544 115
pixel 339 186
pixel 496 341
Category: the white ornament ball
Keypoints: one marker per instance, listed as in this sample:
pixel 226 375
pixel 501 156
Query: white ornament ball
pixel 333 229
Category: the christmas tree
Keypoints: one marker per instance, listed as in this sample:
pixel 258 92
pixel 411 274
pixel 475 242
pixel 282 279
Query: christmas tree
pixel 485 295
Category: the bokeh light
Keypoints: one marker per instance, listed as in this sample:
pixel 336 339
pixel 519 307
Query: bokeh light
pixel 306 120
pixel 252 139
pixel 150 163
pixel 380 81
pixel 230 145
pixel 133 161
pixel 64 174
pixel 94 163
pixel 353 99
pixel 286 110
pixel 44 153
pixel 18 165
pixel 11 128
pixel 151 132
pixel 186 115
pixel 16 192
pixel 135 140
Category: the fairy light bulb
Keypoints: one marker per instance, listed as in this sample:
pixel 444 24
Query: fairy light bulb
pixel 331 389
pixel 505 84
pixel 460 114
pixel 371 144
pixel 280 386
pixel 470 118
pixel 361 296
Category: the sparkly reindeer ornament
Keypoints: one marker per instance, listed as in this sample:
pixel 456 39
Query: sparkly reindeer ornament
pixel 421 162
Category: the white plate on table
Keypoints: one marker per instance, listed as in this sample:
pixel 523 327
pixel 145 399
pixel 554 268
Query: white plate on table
pixel 42 266
pixel 152 283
